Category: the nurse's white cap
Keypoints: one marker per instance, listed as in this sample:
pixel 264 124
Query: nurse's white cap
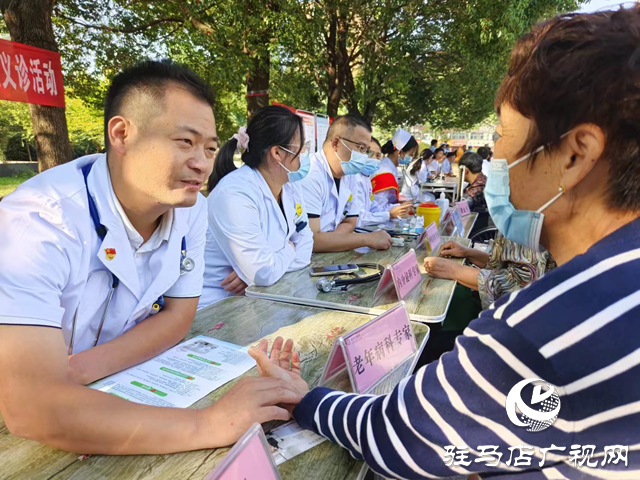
pixel 400 138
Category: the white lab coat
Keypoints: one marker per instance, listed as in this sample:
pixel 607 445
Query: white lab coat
pixel 436 168
pixel 486 167
pixel 387 199
pixel 370 212
pixel 53 264
pixel 321 195
pixel 411 185
pixel 249 234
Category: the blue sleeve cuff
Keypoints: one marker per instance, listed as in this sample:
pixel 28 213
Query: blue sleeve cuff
pixel 306 409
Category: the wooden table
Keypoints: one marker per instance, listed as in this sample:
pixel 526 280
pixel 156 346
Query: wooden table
pixel 246 321
pixel 429 302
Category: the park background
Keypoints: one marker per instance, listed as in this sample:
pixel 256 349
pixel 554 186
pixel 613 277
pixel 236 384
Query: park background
pixel 431 66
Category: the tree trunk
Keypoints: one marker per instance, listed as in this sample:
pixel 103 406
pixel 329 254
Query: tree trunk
pixel 370 111
pixel 334 92
pixel 29 22
pixel 258 83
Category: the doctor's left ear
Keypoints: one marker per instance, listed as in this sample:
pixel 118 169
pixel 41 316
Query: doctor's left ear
pixel 582 148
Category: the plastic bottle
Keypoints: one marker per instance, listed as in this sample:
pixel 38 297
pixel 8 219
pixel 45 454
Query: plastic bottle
pixel 412 224
pixel 443 203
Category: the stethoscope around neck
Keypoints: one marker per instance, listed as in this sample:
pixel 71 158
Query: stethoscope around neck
pixel 186 264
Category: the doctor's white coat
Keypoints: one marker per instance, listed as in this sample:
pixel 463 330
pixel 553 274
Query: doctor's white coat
pixel 249 234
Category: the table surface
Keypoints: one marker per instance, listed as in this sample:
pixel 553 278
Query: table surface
pixel 428 302
pixel 246 321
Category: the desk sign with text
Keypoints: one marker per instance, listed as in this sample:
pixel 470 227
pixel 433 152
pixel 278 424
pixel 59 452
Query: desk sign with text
pixel 463 208
pixel 434 237
pixel 370 352
pixel 249 459
pixel 457 221
pixel 404 274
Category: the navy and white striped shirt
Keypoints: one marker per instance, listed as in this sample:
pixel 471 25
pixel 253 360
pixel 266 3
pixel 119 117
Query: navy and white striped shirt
pixel 577 328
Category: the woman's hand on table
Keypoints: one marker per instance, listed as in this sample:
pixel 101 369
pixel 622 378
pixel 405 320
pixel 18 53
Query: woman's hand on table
pixel 437 267
pixel 283 363
pixel 234 284
pixel 453 249
pixel 251 400
pixel 400 211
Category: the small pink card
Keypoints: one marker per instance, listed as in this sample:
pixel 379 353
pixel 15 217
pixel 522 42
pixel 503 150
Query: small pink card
pixel 406 274
pixel 422 239
pixel 457 221
pixel 434 237
pixel 373 350
pixel 463 208
pixel 249 459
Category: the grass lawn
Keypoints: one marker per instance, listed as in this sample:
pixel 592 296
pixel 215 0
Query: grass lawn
pixel 9 184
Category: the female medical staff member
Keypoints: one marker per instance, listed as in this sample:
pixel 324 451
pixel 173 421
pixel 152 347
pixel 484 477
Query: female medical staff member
pixel 258 228
pixel 416 174
pixel 399 150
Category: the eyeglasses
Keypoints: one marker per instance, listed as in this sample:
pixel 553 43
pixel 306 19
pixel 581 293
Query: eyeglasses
pixel 306 147
pixel 360 147
pixel 376 155
pixel 496 137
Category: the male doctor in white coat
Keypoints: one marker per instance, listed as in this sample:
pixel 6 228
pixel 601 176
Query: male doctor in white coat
pixel 332 206
pixel 101 265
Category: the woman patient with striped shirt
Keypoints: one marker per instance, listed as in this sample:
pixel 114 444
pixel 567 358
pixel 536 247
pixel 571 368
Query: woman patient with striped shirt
pixel 566 174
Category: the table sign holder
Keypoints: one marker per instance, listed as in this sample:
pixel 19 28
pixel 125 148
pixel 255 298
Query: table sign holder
pixel 373 351
pixel 432 236
pixel 457 222
pixel 404 274
pixel 463 208
pixel 249 459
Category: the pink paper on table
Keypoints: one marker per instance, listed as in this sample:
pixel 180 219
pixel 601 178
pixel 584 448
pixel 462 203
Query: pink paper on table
pixel 434 237
pixel 379 347
pixel 406 274
pixel 463 208
pixel 252 462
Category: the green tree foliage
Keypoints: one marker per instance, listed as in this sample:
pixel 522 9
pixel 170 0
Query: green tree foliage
pixel 395 62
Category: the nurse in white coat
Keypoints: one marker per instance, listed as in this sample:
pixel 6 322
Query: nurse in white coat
pixel 101 264
pixel 400 150
pixel 258 227
pixel 416 174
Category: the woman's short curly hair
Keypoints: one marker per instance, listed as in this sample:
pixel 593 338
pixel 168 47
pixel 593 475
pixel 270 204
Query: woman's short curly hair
pixel 583 68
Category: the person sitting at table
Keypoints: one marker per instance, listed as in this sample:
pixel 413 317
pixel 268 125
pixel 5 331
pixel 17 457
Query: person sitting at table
pixel 474 176
pixel 416 174
pixel 506 268
pixel 258 226
pixel 331 205
pixel 485 154
pixel 399 150
pixel 438 166
pixel 91 250
pixel 575 328
pixel 370 212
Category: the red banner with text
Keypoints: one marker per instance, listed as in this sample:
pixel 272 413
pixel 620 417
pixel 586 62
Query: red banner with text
pixel 30 75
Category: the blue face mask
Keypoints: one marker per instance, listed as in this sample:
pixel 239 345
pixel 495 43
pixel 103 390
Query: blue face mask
pixel 371 167
pixel 303 171
pixel 356 163
pixel 519 226
pixel 406 160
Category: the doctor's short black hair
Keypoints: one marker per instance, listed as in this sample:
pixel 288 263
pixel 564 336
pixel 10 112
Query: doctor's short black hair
pixel 344 125
pixel 151 77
